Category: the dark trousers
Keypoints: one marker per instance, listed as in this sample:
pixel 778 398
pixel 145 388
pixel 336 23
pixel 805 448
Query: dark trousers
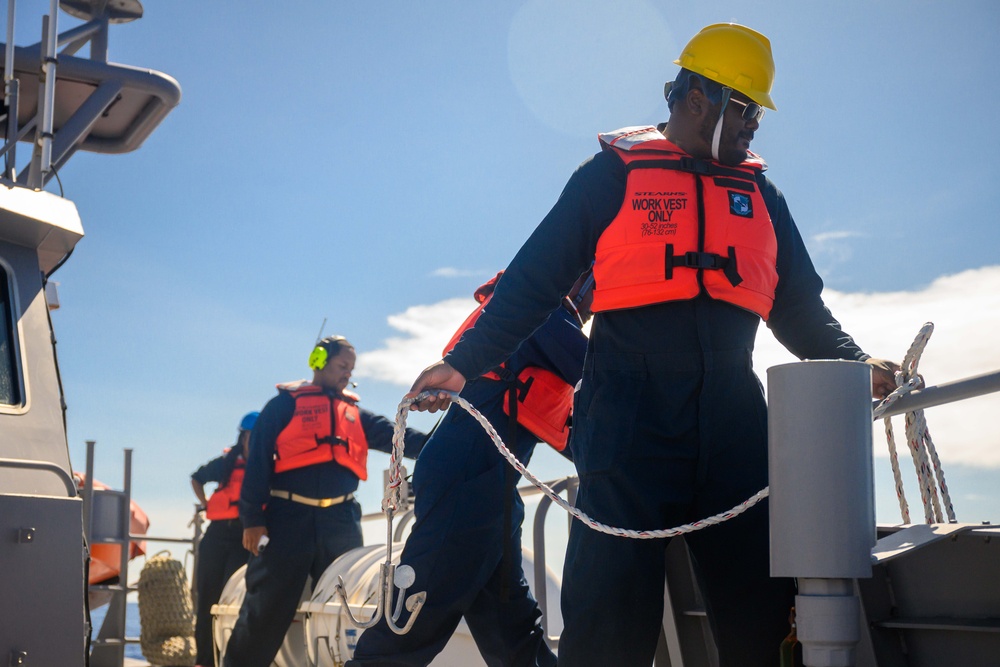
pixel 220 553
pixel 665 440
pixel 456 549
pixel 304 541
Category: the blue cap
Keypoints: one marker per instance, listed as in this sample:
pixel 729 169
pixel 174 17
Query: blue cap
pixel 248 421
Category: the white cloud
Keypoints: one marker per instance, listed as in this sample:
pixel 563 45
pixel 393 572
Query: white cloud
pixel 428 329
pixel 833 248
pixel 824 237
pixel 965 309
pixel 452 272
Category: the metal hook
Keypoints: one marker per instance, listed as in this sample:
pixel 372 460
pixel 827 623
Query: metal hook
pixel 390 577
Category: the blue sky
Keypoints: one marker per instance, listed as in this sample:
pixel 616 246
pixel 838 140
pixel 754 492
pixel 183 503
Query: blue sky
pixel 371 163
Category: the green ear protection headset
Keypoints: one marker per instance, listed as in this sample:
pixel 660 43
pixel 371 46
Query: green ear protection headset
pixel 321 353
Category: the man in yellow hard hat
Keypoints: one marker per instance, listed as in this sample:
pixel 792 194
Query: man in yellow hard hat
pixel 692 247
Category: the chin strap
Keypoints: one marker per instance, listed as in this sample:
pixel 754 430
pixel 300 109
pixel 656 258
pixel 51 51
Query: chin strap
pixel 717 137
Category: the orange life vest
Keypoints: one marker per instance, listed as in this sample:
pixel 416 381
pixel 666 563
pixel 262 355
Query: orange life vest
pixel 323 428
pixel 685 226
pixel 224 503
pixel 545 400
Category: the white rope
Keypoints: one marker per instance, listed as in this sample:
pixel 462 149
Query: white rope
pixel 904 508
pixel 932 450
pixel 906 382
pixel 391 500
pixel 926 462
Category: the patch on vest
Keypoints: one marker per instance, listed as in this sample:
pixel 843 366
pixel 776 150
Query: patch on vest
pixel 740 204
pixel 349 417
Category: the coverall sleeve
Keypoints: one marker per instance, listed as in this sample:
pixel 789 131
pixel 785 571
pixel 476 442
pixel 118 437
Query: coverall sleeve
pixel 560 249
pixel 378 431
pixel 558 346
pixel 799 319
pixel 210 472
pixel 256 489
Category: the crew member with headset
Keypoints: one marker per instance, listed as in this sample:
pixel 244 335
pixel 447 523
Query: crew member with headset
pixel 308 451
pixel 220 551
pixel 465 545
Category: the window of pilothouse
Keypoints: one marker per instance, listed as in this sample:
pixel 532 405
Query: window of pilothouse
pixel 10 376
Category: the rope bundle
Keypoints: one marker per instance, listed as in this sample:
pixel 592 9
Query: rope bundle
pixel 165 613
pixel 930 475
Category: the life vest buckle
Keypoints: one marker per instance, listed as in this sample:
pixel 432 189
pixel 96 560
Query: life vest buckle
pixel 702 260
pixel 694 166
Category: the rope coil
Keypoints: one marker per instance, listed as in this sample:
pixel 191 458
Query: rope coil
pixel 166 614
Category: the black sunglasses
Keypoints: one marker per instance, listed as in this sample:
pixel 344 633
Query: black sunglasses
pixel 751 110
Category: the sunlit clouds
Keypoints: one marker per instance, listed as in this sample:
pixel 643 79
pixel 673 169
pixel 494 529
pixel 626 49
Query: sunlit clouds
pixel 426 330
pixel 965 309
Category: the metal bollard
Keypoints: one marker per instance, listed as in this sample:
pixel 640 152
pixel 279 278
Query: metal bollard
pixel 822 506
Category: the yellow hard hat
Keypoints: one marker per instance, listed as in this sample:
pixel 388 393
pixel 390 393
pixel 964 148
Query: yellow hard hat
pixel 735 56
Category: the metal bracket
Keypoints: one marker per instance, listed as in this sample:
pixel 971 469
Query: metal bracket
pixel 914 537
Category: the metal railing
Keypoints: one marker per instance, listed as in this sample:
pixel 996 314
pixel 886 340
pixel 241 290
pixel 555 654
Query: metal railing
pixel 949 392
pixel 108 649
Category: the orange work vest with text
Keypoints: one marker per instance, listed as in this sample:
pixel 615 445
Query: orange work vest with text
pixel 323 428
pixel 685 226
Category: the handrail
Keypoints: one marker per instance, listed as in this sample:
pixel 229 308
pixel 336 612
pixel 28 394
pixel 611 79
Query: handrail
pixel 48 466
pixel 949 392
pixel 10 95
pixel 147 538
pixel 538 544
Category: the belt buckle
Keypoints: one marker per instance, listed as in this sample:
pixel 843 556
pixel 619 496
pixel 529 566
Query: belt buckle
pixel 325 502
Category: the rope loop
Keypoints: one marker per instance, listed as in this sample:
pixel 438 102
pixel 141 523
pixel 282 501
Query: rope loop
pixel 930 475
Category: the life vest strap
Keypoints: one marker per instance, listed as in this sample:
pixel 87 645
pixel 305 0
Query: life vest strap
pixel 330 440
pixel 690 165
pixel 520 386
pixel 702 260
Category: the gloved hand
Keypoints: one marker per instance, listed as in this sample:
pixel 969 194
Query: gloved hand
pixel 883 376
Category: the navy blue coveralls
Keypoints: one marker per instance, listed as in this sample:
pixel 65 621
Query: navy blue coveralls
pixel 220 553
pixel 304 540
pixel 456 545
pixel 670 427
